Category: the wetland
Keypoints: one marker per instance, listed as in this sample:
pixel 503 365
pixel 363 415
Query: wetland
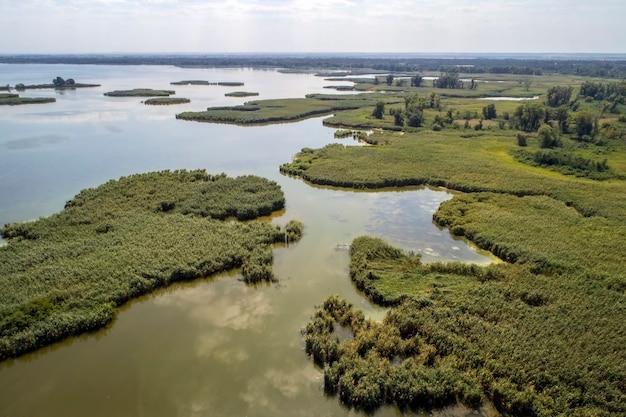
pixel 530 324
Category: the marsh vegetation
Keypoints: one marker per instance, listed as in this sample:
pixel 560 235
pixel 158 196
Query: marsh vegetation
pixel 241 94
pixel 166 101
pixel 539 183
pixel 8 99
pixel 126 238
pixel 140 92
pixel 537 335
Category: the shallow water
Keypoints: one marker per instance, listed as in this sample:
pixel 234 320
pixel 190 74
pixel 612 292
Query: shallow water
pixel 213 346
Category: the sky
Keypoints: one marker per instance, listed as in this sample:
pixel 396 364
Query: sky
pixel 287 26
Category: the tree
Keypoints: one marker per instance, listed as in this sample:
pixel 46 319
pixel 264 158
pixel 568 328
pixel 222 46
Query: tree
pixel 558 95
pixel 379 110
pixel 585 122
pixel 489 111
pixel 547 137
pixel 561 114
pixel 415 118
pixel 398 118
pixel 448 80
pixel 433 100
pixel 389 79
pixel 417 81
pixel 529 116
pixel 527 81
pixel 58 81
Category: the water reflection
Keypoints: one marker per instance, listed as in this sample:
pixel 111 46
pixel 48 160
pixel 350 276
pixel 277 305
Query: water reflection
pixel 236 307
pixel 33 142
pixel 213 346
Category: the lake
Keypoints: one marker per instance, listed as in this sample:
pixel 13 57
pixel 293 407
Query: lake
pixel 212 347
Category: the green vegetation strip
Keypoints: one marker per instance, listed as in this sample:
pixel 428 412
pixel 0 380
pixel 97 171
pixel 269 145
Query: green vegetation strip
pixel 166 101
pixel 140 92
pixel 15 100
pixel 203 82
pixel 533 344
pixel 280 110
pixel 241 94
pixel 66 274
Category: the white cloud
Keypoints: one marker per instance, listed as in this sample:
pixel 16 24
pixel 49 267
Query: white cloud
pixel 318 25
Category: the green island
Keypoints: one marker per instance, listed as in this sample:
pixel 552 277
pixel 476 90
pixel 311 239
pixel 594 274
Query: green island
pixel 542 185
pixel 58 83
pixel 166 101
pixel 9 99
pixel 68 273
pixel 140 92
pixel 203 82
pixel 283 110
pixel 241 94
pixel 340 87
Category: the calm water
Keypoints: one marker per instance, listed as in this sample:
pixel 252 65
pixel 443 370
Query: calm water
pixel 213 347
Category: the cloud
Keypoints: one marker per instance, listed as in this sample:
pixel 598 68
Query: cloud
pixel 236 307
pixel 315 26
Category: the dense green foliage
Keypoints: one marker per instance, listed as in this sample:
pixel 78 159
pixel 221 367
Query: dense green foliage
pixel 612 91
pixel 566 162
pixel 166 101
pixel 559 95
pixel 539 335
pixel 280 110
pixel 67 273
pixel 241 94
pixel 533 344
pixel 140 92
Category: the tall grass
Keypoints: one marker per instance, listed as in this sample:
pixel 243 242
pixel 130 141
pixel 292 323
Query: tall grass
pixel 67 273
pixel 541 334
pixel 532 344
